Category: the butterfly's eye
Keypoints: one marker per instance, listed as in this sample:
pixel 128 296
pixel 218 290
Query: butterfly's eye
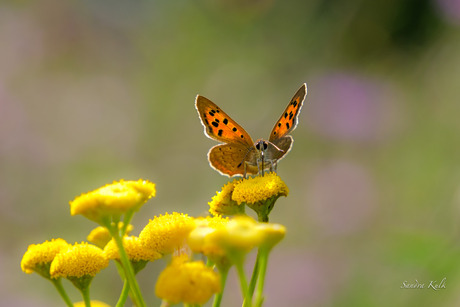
pixel 262 145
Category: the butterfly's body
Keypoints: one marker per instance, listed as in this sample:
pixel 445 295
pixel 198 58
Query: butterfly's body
pixel 240 155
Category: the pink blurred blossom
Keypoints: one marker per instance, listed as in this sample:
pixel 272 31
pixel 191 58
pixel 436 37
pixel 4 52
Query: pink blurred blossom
pixel 348 107
pixel 450 9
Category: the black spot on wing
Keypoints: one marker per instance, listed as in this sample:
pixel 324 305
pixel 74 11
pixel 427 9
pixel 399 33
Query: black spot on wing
pixel 215 124
pixel 219 133
pixel 234 129
pixel 287 125
pixel 286 115
pixel 225 121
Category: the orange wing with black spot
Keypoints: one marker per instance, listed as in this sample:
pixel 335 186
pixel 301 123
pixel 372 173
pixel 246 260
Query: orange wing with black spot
pixel 219 126
pixel 289 118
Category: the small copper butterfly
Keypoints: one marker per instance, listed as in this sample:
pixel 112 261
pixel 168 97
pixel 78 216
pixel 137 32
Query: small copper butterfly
pixel 240 155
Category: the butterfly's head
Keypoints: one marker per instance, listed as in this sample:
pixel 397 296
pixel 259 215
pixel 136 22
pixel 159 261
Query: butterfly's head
pixel 261 145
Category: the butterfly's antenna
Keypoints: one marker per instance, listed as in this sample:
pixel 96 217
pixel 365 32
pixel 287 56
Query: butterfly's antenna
pixel 244 158
pixel 277 148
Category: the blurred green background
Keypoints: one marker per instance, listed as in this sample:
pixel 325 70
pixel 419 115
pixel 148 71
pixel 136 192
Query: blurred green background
pixel 96 91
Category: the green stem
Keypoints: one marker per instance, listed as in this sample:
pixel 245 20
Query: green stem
pixel 263 261
pixel 223 279
pixel 243 284
pixel 128 269
pixel 124 295
pixel 255 275
pixel 126 220
pixel 86 298
pixel 58 285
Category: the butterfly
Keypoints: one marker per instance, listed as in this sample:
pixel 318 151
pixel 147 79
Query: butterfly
pixel 239 155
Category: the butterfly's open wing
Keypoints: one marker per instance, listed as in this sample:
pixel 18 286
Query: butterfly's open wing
pixel 289 118
pixel 219 126
pixel 229 159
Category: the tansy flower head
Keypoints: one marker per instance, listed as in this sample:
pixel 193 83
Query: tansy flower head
pixel 38 257
pixel 167 232
pixel 79 260
pixel 223 204
pixel 113 199
pixel 187 282
pixel 215 221
pixel 240 235
pixel 260 193
pixel 100 235
pixel 198 239
pixel 260 188
pixel 270 234
pixel 134 248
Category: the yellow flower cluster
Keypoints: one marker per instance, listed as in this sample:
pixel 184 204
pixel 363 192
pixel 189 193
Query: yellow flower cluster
pixel 188 282
pixel 256 189
pixel 223 237
pixel 134 248
pixel 100 235
pixel 167 232
pixel 200 239
pixel 79 260
pixel 224 241
pixel 38 257
pixel 223 204
pixel 113 199
pixel 250 191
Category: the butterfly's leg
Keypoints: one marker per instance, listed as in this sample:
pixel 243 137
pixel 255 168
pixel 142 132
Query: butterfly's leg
pixel 272 166
pixel 244 173
pixel 260 165
pixel 263 165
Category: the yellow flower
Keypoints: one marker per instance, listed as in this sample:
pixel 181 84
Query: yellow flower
pixel 79 260
pixel 93 304
pixel 187 282
pixel 199 239
pixel 223 204
pixel 38 257
pixel 259 189
pixel 135 250
pixel 216 221
pixel 240 235
pixel 100 235
pixel 270 234
pixel 113 199
pixel 166 232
